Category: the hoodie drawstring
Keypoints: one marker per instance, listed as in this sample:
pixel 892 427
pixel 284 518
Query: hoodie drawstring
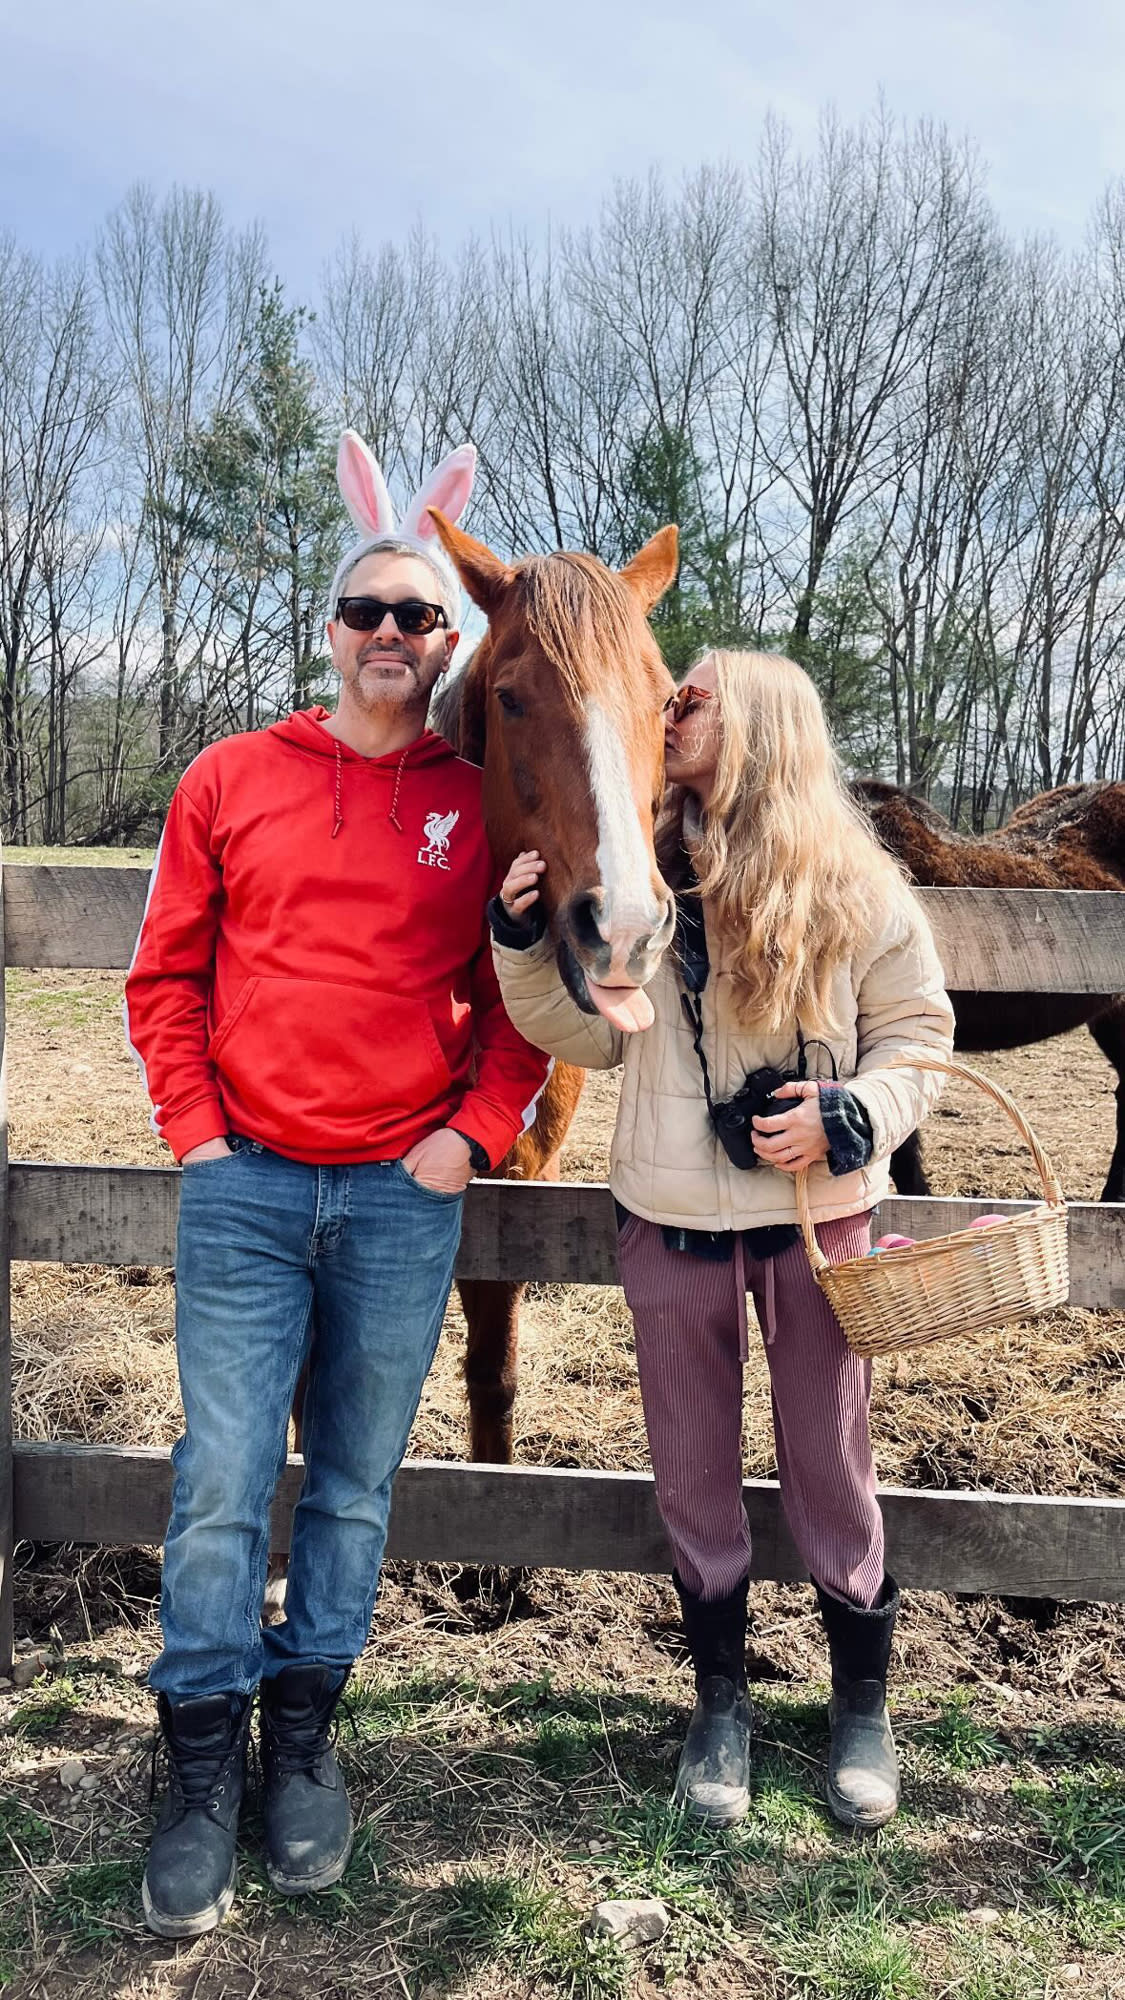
pixel 393 814
pixel 338 820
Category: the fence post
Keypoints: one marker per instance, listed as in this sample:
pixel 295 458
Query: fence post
pixel 7 1515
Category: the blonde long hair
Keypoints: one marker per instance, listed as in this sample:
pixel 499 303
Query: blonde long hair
pixel 787 863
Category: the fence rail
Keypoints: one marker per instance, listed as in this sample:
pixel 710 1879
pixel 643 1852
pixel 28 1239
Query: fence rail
pixel 991 941
pixel 558 1233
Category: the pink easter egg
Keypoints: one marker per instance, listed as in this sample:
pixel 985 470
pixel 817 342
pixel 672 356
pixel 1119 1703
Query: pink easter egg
pixel 983 1221
pixel 894 1242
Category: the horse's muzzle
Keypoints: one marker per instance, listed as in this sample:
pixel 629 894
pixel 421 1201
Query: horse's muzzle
pixel 612 948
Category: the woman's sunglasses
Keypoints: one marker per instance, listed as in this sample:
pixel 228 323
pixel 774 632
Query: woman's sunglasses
pixel 412 615
pixel 685 701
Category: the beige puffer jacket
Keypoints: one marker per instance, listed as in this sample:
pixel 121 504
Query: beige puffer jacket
pixel 666 1163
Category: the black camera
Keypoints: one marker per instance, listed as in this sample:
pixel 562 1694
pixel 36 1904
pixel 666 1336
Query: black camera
pixel 732 1117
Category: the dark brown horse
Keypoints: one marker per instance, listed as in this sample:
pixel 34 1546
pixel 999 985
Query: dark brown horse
pixel 561 704
pixel 1070 838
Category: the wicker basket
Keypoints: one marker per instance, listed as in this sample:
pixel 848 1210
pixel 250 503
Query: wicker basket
pixel 972 1282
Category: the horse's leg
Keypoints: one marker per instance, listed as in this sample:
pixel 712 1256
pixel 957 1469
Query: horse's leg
pixel 492 1314
pixel 1108 1030
pixel 907 1171
pixel 492 1305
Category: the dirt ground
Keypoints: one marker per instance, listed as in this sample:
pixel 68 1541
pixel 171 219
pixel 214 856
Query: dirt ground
pixel 514 1731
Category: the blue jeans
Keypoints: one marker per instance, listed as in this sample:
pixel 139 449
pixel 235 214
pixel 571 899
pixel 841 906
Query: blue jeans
pixel 347 1267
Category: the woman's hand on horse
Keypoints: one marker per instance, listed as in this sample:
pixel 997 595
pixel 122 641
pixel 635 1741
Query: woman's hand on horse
pixel 793 1139
pixel 520 887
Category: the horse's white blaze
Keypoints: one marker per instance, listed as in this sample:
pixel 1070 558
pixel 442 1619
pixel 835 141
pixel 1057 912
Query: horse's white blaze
pixel 631 910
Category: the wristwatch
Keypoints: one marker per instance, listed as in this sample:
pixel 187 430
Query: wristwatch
pixel 478 1158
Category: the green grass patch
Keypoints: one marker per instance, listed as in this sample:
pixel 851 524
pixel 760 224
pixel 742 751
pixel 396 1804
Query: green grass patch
pixel 1082 1815
pixel 384 1707
pixel 837 1938
pixel 480 1918
pixel 859 1959
pixel 562 1748
pixel 1094 1922
pixel 783 1806
pixel 46 1711
pixel 791 1721
pixel 98 1902
pixel 658 1850
pixel 956 1740
pixel 63 1007
pixel 31 1834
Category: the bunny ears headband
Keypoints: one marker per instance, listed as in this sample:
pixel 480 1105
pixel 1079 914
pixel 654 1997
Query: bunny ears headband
pixel 366 498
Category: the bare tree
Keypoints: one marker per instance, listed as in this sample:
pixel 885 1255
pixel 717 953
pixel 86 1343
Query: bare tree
pixel 55 394
pixel 860 249
pixel 179 294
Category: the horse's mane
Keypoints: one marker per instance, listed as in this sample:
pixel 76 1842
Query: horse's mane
pixel 581 614
pixel 578 612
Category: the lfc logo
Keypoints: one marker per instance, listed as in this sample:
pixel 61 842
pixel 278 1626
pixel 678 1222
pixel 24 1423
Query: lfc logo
pixel 437 829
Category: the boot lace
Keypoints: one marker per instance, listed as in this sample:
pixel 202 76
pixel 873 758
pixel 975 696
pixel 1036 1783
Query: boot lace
pixel 198 1774
pixel 295 1740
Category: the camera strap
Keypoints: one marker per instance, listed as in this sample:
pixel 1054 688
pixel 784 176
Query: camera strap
pixel 693 959
pixel 690 947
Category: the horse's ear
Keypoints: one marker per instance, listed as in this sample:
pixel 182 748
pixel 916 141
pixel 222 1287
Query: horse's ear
pixel 483 574
pixel 654 567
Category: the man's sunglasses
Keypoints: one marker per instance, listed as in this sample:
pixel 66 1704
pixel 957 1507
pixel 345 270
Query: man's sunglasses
pixel 412 615
pixel 685 701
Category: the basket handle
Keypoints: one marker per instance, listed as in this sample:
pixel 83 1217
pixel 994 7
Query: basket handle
pixel 1052 1188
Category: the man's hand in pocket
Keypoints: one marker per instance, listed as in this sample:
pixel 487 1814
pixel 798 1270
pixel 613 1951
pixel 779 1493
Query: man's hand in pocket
pixel 440 1162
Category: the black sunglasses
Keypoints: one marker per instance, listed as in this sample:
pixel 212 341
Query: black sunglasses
pixel 412 615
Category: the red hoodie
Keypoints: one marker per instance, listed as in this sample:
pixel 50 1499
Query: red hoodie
pixel 313 967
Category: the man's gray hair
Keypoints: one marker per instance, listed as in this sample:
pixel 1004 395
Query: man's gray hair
pixel 445 576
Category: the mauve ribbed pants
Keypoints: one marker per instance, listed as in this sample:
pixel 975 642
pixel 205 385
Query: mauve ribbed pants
pixel 690 1338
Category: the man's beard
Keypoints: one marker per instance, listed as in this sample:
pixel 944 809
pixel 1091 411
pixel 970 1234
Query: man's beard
pixel 411 691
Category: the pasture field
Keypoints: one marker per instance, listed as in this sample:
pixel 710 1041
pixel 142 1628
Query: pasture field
pixel 514 1735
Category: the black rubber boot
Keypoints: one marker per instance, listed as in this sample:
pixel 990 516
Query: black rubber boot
pixel 862 1786
pixel 713 1778
pixel 307 1816
pixel 188 1883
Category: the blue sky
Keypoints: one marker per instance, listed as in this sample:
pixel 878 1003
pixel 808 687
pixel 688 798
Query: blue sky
pixel 321 119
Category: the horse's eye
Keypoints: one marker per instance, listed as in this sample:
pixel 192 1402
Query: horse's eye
pixel 508 702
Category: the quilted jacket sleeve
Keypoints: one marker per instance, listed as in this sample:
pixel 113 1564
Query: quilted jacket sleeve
pixel 902 1007
pixel 543 1011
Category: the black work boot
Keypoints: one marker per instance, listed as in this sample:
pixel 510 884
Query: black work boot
pixel 713 1778
pixel 307 1816
pixel 188 1884
pixel 862 1786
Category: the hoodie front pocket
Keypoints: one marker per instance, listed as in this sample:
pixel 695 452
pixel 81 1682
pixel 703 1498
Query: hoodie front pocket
pixel 311 1057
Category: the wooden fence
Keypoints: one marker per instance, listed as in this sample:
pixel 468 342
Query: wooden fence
pixel 995 941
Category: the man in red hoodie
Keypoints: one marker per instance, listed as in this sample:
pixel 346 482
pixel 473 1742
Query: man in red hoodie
pixel 313 1002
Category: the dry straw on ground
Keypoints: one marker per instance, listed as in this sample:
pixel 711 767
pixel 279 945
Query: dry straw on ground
pixel 1035 1410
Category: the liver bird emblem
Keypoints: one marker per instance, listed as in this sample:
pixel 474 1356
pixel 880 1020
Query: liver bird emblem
pixel 438 828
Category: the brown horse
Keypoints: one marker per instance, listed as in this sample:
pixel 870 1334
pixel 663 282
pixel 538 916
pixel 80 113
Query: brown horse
pixel 1070 838
pixel 561 705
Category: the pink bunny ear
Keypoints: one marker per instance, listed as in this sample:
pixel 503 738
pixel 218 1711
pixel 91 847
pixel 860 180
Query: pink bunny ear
pixel 448 487
pixel 363 487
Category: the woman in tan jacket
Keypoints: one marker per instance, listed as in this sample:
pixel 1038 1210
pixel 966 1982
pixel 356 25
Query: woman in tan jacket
pixel 800 955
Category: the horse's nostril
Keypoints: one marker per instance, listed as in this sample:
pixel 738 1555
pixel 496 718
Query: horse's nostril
pixel 585 914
